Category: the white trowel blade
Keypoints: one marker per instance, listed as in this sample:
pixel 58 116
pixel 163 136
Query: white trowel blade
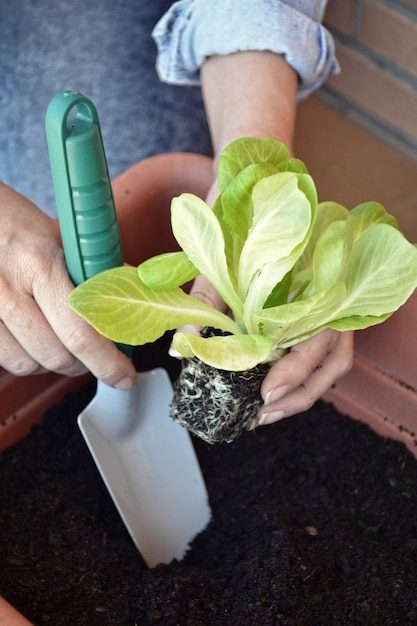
pixel 149 466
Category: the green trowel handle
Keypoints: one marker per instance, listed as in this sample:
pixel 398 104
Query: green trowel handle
pixel 84 198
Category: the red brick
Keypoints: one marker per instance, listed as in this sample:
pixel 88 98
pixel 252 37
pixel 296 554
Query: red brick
pixel 376 91
pixel 340 15
pixel 389 33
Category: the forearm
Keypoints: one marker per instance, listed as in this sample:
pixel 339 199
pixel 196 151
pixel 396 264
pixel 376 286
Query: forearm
pixel 249 94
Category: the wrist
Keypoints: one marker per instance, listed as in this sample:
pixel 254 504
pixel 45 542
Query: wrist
pixel 249 94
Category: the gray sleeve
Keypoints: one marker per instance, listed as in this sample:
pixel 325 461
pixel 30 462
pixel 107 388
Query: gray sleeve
pixel 193 30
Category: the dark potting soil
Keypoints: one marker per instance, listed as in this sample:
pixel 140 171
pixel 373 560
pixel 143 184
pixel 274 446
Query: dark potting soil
pixel 315 523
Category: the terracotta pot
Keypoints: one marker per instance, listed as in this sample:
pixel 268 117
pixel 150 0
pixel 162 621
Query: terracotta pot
pixel 381 388
pixel 142 196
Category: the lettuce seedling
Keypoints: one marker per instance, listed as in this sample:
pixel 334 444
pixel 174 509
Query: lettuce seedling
pixel 286 266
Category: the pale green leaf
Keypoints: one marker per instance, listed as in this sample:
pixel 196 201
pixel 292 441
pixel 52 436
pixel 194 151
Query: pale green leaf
pixel 381 273
pixel 282 219
pixel 229 240
pixel 288 321
pixel 334 232
pixel 168 270
pixel 330 257
pixel 307 186
pixel 120 307
pixel 279 294
pixel 200 235
pixel 357 322
pixel 366 215
pixel 248 151
pixel 293 165
pixel 327 212
pixel 237 198
pixel 233 352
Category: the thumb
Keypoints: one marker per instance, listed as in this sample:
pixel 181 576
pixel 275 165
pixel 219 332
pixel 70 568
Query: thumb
pixel 204 291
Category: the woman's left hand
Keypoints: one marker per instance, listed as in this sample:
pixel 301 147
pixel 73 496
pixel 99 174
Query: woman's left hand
pixel 303 375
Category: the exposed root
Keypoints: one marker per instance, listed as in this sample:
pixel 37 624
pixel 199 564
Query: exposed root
pixel 214 404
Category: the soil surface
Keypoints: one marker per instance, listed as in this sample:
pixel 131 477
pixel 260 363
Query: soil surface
pixel 315 523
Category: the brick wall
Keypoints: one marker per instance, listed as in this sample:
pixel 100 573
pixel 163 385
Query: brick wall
pixel 376 43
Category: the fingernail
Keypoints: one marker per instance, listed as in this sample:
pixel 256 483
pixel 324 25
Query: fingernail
pixel 174 353
pixel 276 394
pixel 190 330
pixel 269 417
pixel 125 383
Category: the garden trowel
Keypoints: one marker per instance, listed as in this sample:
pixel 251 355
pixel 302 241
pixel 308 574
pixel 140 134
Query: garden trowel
pixel 146 460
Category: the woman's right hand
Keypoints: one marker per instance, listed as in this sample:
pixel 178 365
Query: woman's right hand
pixel 38 330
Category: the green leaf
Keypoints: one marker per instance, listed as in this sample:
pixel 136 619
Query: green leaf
pixel 236 212
pixel 168 270
pixel 358 322
pixel 293 165
pixel 366 215
pixel 330 257
pixel 237 198
pixel 289 321
pixel 120 307
pixel 233 352
pixel 282 219
pixel 327 238
pixel 381 273
pixel 280 210
pixel 279 294
pixel 248 151
pixel 327 212
pixel 199 234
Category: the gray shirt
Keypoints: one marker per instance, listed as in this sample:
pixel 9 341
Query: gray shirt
pixel 193 30
pixel 106 51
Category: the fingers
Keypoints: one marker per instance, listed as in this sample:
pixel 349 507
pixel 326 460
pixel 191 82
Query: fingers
pixel 296 366
pixel 301 377
pixel 38 330
pixel 204 291
pixel 41 333
pixel 13 357
pixel 30 345
pixel 85 347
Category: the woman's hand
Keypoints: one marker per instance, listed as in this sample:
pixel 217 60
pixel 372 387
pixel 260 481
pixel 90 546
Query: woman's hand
pixel 38 330
pixel 303 375
pixel 300 377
